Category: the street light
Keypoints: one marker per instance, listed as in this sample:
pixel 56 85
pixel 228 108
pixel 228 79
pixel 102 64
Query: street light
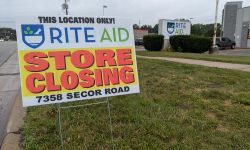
pixel 103 7
pixel 215 27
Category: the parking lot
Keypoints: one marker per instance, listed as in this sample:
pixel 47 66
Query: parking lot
pixel 237 52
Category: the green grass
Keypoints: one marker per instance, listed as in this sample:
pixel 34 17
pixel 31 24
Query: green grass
pixel 208 57
pixel 180 107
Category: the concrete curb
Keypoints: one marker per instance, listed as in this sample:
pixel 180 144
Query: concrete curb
pixel 10 67
pixel 12 140
pixel 11 111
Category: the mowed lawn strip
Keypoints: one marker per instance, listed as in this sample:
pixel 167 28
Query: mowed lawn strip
pixel 180 107
pixel 208 57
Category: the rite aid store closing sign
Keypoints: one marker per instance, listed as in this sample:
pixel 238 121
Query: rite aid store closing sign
pixel 66 59
pixel 174 27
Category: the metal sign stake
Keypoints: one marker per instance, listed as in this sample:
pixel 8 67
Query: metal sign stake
pixel 110 123
pixel 68 107
pixel 60 125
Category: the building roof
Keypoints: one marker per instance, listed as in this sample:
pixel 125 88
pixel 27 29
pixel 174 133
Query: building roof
pixel 239 3
pixel 234 2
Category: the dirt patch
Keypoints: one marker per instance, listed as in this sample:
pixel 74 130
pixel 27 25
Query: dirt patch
pixel 198 90
pixel 190 78
pixel 211 115
pixel 221 128
pixel 247 107
pixel 173 141
pixel 227 104
pixel 165 80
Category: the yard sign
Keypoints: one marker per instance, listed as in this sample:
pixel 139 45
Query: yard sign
pixel 65 58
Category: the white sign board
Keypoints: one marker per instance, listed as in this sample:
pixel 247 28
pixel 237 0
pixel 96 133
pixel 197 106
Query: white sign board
pixel 174 27
pixel 66 58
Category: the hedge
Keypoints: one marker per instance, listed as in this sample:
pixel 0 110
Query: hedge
pixel 153 42
pixel 191 44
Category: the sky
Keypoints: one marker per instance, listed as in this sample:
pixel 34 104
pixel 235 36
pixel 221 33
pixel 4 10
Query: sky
pixel 141 11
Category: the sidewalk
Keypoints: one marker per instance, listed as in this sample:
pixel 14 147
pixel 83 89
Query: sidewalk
pixel 240 67
pixel 10 67
pixel 13 138
pixel 11 110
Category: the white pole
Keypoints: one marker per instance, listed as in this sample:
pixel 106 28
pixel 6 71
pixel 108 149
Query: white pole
pixel 103 10
pixel 215 24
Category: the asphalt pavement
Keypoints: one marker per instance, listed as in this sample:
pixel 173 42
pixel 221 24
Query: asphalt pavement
pixel 236 52
pixel 140 48
pixel 9 82
pixel 6 50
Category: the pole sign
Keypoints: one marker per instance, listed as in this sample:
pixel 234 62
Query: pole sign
pixel 65 58
pixel 174 27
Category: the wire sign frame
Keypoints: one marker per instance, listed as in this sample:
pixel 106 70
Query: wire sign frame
pixel 107 101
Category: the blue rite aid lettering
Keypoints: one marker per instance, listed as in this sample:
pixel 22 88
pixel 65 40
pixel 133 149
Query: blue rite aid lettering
pixel 33 35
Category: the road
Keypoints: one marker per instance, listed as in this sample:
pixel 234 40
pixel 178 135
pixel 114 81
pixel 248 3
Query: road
pixel 6 49
pixel 140 48
pixel 9 82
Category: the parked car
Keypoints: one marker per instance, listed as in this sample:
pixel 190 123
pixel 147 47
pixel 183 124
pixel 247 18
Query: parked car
pixel 224 42
pixel 138 41
pixel 1 40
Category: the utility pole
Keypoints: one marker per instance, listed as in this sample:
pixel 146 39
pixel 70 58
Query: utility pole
pixel 66 7
pixel 215 27
pixel 103 9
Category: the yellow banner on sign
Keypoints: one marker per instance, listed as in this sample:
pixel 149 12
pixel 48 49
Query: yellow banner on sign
pixel 66 70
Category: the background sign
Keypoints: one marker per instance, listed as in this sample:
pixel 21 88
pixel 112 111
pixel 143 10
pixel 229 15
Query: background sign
pixel 172 27
pixel 65 58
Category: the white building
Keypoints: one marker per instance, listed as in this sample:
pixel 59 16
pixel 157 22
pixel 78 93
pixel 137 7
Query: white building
pixel 236 23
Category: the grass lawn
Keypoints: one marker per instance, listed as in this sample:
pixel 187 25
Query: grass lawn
pixel 180 107
pixel 214 57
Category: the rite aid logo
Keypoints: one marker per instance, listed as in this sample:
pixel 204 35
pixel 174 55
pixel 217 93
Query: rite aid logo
pixel 170 27
pixel 33 35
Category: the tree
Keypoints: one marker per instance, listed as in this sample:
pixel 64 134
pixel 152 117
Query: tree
pixel 136 26
pixel 147 27
pixel 206 30
pixel 155 29
pixel 7 33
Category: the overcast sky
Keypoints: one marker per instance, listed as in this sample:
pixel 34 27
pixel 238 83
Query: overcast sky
pixel 147 11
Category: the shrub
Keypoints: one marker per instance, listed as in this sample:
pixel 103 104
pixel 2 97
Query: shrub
pixel 153 42
pixel 191 44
